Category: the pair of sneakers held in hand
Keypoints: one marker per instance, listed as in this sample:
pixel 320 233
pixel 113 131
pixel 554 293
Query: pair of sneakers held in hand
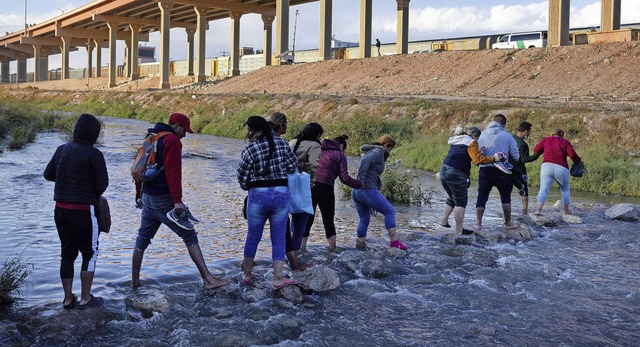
pixel 502 163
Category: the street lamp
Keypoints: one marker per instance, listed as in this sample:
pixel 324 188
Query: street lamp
pixel 293 50
pixel 25 16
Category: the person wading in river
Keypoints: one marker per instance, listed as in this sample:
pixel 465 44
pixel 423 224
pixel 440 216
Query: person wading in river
pixel 80 175
pixel 161 200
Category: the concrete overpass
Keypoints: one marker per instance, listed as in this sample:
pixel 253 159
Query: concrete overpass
pixel 100 23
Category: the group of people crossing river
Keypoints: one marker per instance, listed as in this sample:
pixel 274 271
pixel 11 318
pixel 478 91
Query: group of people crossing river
pixel 80 175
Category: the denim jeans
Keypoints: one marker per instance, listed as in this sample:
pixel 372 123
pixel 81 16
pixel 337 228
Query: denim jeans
pixel 154 213
pixel 270 203
pixel 298 226
pixel 367 199
pixel 550 172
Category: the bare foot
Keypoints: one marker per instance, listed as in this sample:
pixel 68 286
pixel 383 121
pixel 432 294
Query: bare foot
pixel 537 213
pixel 478 227
pixel 216 283
pixel 512 225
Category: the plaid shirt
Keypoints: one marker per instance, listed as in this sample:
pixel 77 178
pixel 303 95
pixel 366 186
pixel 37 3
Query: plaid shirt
pixel 254 157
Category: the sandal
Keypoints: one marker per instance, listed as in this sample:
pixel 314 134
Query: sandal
pixel 94 301
pixel 72 304
pixel 467 232
pixel 248 281
pixel 287 282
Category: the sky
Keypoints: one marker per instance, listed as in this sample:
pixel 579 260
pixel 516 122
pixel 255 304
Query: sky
pixel 428 19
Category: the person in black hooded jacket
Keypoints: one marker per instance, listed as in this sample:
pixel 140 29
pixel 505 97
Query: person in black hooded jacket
pixel 80 175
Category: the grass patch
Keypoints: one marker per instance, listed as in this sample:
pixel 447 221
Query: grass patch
pixel 13 274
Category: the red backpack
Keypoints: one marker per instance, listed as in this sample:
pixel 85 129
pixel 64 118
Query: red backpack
pixel 144 167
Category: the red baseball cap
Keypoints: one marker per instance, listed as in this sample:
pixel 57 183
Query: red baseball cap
pixel 179 118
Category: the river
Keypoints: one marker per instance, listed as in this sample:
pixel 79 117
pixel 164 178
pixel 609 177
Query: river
pixel 572 285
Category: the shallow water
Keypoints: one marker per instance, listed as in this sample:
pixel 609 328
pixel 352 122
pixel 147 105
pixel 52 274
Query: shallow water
pixel 577 284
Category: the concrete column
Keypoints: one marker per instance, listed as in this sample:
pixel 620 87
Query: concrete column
pixel 36 63
pixel 282 26
pixel 90 44
pixel 235 42
pixel 65 58
pixel 134 51
pixel 402 31
pixel 165 27
pixel 365 29
pixel 45 52
pixel 201 31
pixel 113 27
pixel 610 15
pixel 325 29
pixel 558 23
pixel 128 63
pixel 98 58
pixel 266 39
pixel 22 69
pixel 190 50
pixel 4 72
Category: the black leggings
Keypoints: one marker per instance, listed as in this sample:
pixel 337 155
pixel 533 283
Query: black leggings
pixel 322 195
pixel 78 232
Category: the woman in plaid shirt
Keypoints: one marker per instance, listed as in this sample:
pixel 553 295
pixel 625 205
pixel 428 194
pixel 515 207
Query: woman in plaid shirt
pixel 263 168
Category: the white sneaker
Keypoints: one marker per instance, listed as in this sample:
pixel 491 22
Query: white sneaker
pixel 502 167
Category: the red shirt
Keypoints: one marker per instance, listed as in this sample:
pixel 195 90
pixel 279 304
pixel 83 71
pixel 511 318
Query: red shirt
pixel 555 149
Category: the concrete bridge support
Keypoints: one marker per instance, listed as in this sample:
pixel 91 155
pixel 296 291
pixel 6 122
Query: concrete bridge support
pixel 190 50
pixel 89 46
pixel 324 46
pixel 4 72
pixel 235 42
pixel 201 31
pixel 266 39
pixel 98 58
pixel 610 15
pixel 40 63
pixel 558 23
pixel 402 32
pixel 134 51
pixel 165 28
pixel 366 12
pixel 22 69
pixel 282 27
pixel 64 73
pixel 113 27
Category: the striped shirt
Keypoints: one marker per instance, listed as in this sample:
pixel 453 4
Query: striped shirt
pixel 251 169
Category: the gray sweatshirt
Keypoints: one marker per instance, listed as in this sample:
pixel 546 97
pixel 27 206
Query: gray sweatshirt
pixel 496 139
pixel 371 166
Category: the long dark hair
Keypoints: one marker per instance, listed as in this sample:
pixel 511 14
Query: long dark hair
pixel 257 123
pixel 311 132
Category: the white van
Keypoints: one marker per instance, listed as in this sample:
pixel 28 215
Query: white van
pixel 522 40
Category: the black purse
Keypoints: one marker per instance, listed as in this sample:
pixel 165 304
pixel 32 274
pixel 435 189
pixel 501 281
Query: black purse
pixel 577 170
pixel 103 215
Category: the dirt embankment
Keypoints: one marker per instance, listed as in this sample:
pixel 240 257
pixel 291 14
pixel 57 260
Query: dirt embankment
pixel 605 72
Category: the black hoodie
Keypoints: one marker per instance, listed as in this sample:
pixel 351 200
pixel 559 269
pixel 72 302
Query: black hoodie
pixel 77 168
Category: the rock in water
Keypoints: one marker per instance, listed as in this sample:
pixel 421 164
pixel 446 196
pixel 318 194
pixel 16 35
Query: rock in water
pixel 626 212
pixel 320 279
pixel 148 301
pixel 571 219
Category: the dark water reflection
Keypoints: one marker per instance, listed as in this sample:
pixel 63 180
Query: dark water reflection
pixel 578 284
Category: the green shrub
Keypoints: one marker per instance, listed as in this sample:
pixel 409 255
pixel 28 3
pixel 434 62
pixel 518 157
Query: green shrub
pixel 13 274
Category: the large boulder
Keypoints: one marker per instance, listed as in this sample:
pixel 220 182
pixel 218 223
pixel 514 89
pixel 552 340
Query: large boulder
pixel 626 212
pixel 548 219
pixel 520 233
pixel 319 279
pixel 148 301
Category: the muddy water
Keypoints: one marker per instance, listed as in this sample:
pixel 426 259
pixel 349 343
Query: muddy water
pixel 576 284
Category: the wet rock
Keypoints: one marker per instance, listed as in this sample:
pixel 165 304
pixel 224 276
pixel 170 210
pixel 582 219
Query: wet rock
pixel 224 314
pixel 395 252
pixel 625 212
pixel 320 279
pixel 491 236
pixel 375 269
pixel 291 293
pixel 253 295
pixel 236 339
pixel 148 301
pixel 521 233
pixel 571 219
pixel 550 219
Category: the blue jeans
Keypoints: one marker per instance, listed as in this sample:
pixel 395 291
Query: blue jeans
pixel 367 199
pixel 154 213
pixel 550 172
pixel 298 226
pixel 264 203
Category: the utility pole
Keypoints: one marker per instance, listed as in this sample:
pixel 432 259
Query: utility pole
pixel 25 16
pixel 293 50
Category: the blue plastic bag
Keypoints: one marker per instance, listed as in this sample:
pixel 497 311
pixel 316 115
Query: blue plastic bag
pixel 300 191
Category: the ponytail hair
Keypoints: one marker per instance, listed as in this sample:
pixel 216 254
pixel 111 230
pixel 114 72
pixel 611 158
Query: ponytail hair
pixel 342 140
pixel 311 132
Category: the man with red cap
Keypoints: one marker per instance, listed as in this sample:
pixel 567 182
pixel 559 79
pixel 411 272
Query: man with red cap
pixel 161 200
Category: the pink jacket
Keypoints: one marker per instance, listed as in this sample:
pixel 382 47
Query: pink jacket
pixel 333 164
